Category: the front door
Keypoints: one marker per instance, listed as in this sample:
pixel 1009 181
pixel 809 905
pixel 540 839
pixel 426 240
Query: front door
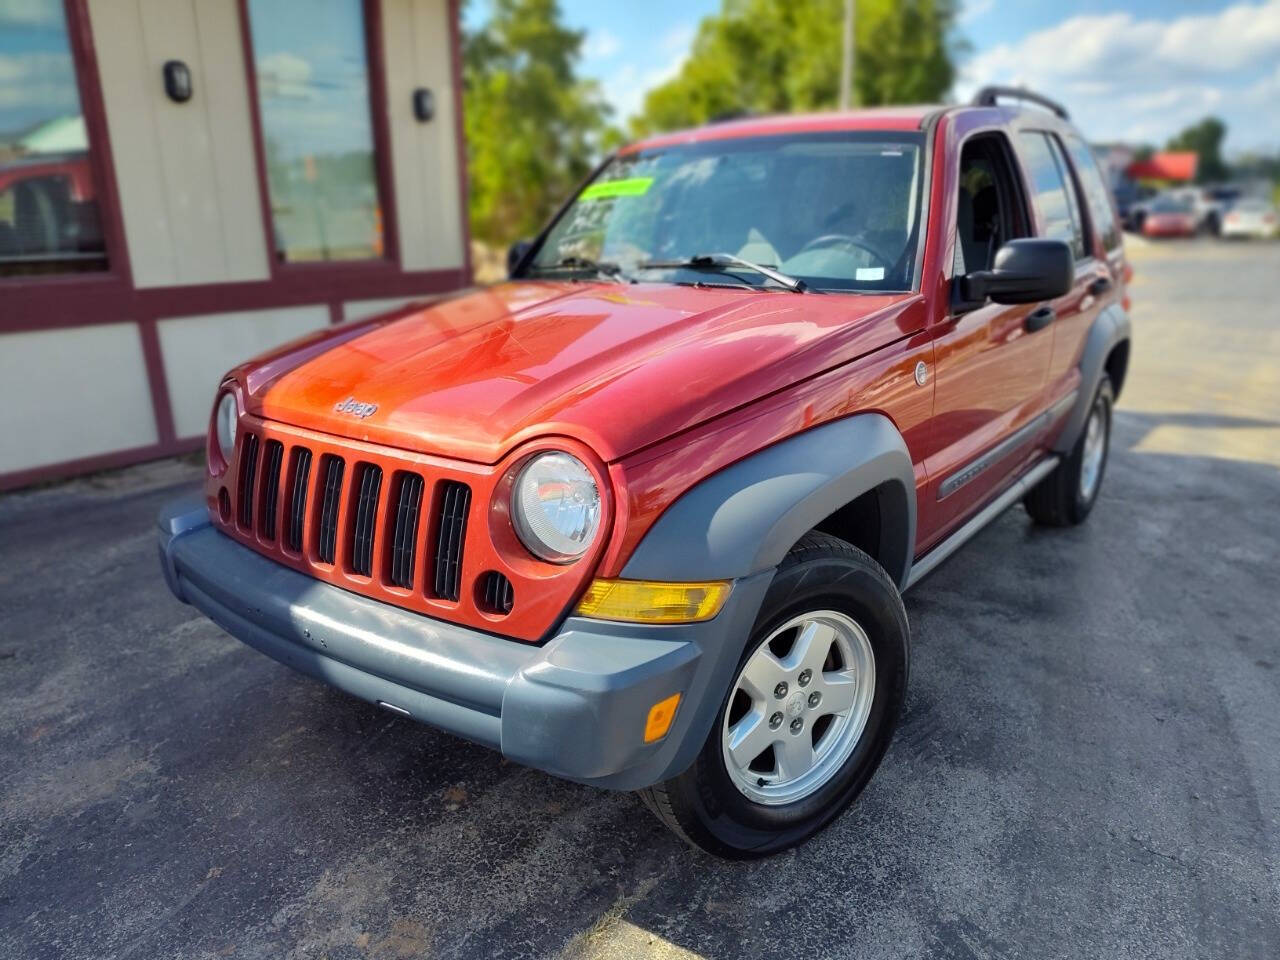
pixel 992 361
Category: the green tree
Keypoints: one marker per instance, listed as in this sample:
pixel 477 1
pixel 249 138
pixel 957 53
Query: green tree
pixel 775 56
pixel 1205 140
pixel 532 125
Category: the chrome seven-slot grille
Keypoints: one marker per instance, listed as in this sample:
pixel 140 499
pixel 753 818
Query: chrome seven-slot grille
pixel 278 492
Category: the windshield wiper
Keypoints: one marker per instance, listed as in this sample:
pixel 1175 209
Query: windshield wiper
pixel 722 261
pixel 603 267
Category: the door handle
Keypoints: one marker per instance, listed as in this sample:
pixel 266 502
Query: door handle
pixel 1039 319
pixel 1100 286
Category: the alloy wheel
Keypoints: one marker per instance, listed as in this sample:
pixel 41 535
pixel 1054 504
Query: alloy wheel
pixel 799 707
pixel 1095 448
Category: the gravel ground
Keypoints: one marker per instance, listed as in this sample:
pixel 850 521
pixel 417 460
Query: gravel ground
pixel 1088 764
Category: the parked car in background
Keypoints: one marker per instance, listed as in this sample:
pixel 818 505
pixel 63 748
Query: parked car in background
pixel 1131 199
pixel 641 517
pixel 1206 208
pixel 1170 216
pixel 1252 217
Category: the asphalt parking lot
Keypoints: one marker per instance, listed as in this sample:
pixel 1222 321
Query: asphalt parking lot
pixel 1089 765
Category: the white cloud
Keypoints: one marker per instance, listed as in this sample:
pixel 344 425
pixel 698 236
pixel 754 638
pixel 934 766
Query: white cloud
pixel 36 66
pixel 600 45
pixel 1266 92
pixel 972 11
pixel 1144 79
pixel 285 74
pixel 35 83
pixel 625 88
pixel 30 13
pixel 1118 44
pixel 678 39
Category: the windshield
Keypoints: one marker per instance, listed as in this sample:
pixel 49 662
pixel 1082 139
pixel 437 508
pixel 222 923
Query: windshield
pixel 1171 205
pixel 838 211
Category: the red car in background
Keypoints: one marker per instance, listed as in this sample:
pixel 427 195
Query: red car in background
pixel 1170 217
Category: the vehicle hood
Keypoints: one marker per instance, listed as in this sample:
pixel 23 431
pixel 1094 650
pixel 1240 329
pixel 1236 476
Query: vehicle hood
pixel 615 366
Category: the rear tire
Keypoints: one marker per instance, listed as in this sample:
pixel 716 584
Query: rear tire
pixel 837 714
pixel 1066 496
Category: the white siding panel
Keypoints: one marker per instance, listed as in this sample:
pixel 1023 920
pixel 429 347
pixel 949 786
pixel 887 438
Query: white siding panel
pixel 198 351
pixel 230 121
pixel 416 48
pixel 186 172
pixel 443 207
pixel 184 143
pixel 398 57
pixel 72 393
pixel 125 74
pixel 360 309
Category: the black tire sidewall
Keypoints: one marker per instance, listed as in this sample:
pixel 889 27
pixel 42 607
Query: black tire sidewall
pixel 861 591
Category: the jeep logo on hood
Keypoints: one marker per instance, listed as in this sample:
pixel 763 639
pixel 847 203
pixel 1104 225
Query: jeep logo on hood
pixel 354 407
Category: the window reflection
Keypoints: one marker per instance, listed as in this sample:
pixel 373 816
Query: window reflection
pixel 1095 190
pixel 48 207
pixel 1054 193
pixel 313 95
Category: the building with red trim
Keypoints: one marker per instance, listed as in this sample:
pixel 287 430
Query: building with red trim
pixel 1174 166
pixel 186 183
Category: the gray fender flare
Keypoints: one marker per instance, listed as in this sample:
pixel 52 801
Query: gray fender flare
pixel 1111 328
pixel 745 518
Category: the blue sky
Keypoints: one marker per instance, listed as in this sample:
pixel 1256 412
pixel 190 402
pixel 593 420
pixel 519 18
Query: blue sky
pixel 1128 69
pixel 37 81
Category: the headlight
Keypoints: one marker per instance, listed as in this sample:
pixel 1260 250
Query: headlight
pixel 555 507
pixel 224 423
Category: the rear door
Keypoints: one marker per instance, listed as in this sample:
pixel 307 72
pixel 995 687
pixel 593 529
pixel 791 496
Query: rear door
pixel 1102 271
pixel 1062 217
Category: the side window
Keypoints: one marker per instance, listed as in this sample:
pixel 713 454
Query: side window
pixel 1053 191
pixel 988 206
pixel 1095 191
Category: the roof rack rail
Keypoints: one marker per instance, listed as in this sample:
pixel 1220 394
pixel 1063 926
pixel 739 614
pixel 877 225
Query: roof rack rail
pixel 988 97
pixel 728 116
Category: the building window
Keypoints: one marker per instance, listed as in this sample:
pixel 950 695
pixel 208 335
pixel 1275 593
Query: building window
pixel 48 205
pixel 311 62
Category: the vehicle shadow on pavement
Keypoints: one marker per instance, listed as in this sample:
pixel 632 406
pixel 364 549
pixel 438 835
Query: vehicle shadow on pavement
pixel 1085 767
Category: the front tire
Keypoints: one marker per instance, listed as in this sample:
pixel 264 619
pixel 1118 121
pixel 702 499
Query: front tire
pixel 1066 496
pixel 809 714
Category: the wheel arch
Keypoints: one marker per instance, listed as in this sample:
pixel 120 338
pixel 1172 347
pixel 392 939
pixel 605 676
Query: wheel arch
pixel 1117 365
pixel 1106 351
pixel 742 520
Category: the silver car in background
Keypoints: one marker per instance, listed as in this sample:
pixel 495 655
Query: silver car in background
pixel 1251 217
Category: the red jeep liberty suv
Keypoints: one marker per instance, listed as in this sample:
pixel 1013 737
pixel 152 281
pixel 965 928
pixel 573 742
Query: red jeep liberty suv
pixel 642 515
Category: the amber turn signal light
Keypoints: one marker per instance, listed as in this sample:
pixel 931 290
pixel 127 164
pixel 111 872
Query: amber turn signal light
pixel 660 716
pixel 648 601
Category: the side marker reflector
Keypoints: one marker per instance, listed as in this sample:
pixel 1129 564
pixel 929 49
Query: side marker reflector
pixel 660 716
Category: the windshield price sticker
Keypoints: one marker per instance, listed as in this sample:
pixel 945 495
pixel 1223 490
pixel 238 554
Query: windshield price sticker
pixel 630 187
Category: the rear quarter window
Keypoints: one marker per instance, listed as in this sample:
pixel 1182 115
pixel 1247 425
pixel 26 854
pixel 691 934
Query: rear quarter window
pixel 1096 193
pixel 1052 191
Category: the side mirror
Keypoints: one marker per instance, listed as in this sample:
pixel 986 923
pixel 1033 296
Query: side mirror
pixel 516 253
pixel 1025 271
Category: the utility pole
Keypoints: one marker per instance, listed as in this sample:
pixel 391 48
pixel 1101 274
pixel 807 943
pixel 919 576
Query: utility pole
pixel 846 63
